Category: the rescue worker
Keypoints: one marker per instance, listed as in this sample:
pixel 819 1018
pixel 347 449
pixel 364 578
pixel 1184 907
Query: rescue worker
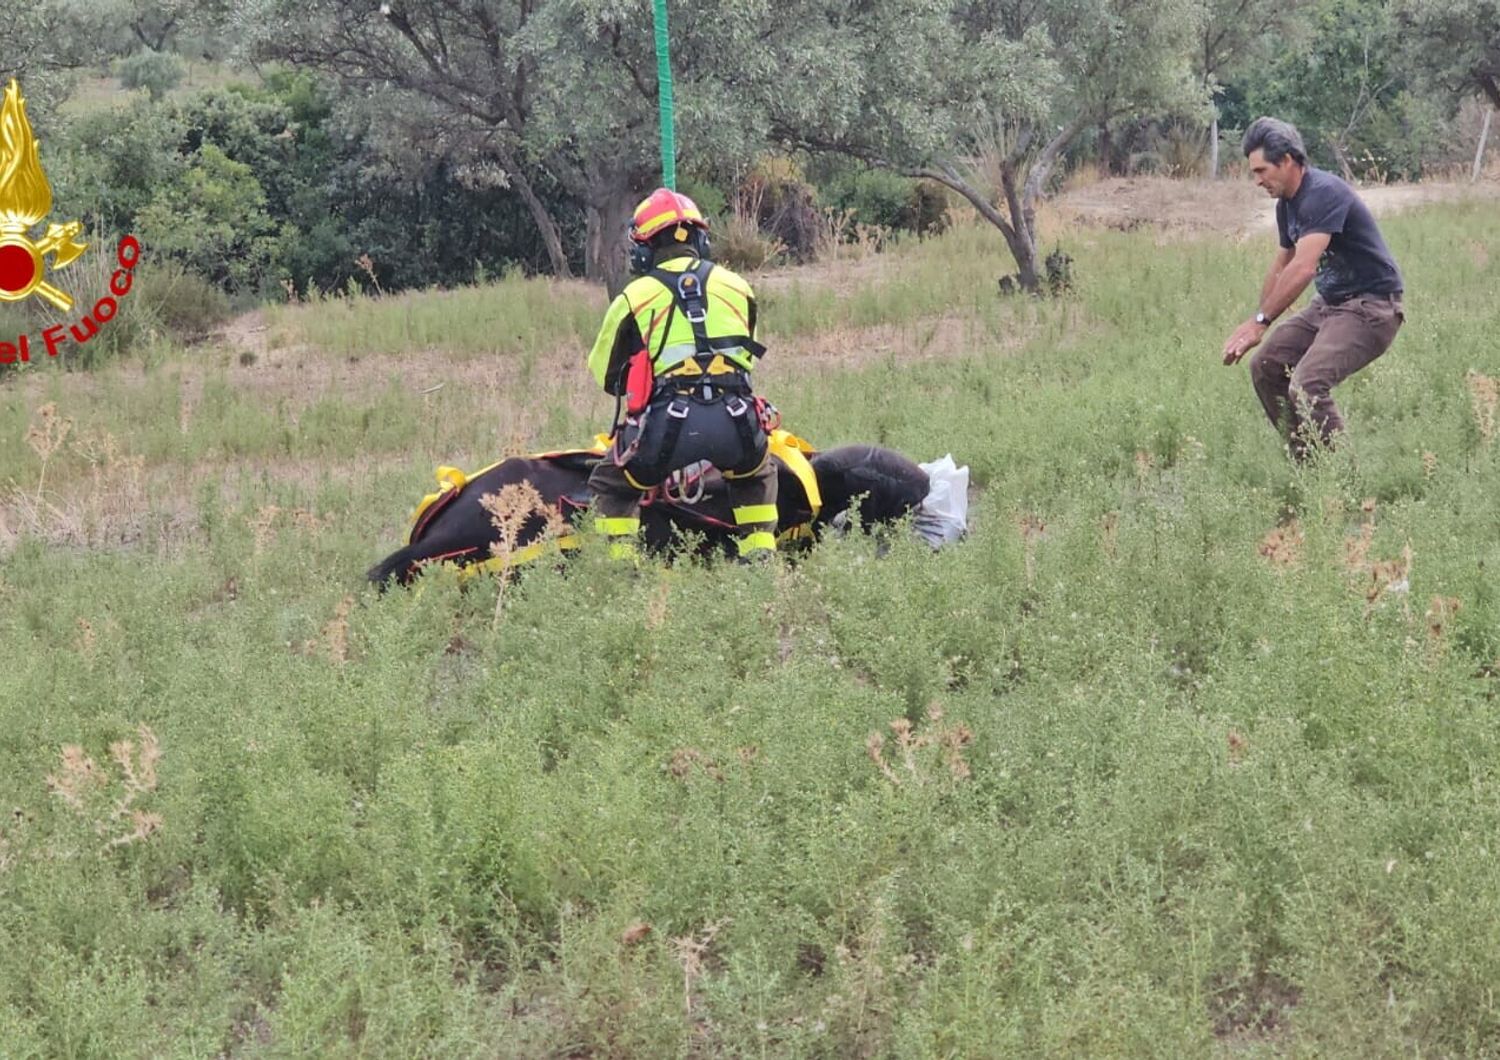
pixel 678 344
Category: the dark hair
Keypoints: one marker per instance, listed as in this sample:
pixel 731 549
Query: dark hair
pixel 1276 139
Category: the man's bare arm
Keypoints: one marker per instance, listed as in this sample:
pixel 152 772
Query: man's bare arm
pixel 1292 279
pixel 1282 260
pixel 1289 276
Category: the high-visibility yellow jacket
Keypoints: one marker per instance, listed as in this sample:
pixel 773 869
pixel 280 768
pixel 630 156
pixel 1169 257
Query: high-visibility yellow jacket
pixel 645 316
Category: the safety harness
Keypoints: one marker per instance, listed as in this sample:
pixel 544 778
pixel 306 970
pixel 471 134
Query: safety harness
pixel 690 294
pixel 711 381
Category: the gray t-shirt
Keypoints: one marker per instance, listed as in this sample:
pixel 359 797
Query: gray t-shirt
pixel 1357 260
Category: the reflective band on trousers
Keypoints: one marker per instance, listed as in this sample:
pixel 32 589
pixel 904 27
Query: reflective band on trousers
pixel 619 526
pixel 761 539
pixel 755 513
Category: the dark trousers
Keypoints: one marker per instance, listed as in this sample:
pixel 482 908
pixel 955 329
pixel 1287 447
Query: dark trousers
pixel 1302 361
pixel 724 431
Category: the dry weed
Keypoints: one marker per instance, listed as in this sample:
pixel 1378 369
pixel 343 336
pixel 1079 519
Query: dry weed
pixel 1033 529
pixel 83 785
pixel 1375 576
pixel 512 508
pixel 1110 529
pixel 1283 545
pixel 923 754
pixel 685 758
pixel 515 444
pixel 117 482
pixel 656 607
pixel 1440 614
pixel 690 951
pixel 45 436
pixel 1429 464
pixel 868 974
pixel 1484 391
pixel 333 640
pixel 79 776
pixel 143 826
pixel 1379 576
pixel 106 507
pixel 85 642
pixel 635 933
pixel 137 764
pixel 367 266
pixel 1237 746
pixel 1144 462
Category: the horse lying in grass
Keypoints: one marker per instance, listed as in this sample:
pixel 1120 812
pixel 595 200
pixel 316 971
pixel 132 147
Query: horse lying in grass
pixel 815 489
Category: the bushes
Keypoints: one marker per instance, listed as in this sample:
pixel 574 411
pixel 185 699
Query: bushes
pixel 183 302
pixel 157 72
pixel 214 222
pixel 880 197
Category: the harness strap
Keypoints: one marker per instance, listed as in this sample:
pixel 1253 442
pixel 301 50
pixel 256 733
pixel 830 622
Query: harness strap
pixel 689 289
pixel 739 411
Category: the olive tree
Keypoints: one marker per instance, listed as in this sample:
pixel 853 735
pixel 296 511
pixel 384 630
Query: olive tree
pixel 1456 43
pixel 564 89
pixel 983 96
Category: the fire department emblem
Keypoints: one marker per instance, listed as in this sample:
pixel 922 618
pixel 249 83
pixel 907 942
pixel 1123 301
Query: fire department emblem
pixel 25 199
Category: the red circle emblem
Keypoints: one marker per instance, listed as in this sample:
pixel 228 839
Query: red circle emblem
pixel 17 268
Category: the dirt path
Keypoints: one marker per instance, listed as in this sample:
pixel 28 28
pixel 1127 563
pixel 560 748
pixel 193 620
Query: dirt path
pixel 1235 207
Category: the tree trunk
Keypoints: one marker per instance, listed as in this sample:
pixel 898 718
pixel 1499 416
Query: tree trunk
pixel 1213 146
pixel 1343 160
pixel 608 214
pixel 1484 135
pixel 1020 240
pixel 1020 230
pixel 546 225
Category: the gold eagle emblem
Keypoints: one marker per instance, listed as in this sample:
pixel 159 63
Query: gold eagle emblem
pixel 26 198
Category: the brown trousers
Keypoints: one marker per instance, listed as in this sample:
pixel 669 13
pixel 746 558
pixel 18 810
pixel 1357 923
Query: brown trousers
pixel 1308 355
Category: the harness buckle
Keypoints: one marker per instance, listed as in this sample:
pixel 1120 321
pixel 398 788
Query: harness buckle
pixel 678 409
pixel 736 406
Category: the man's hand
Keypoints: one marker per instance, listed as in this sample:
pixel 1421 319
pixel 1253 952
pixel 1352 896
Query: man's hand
pixel 1245 338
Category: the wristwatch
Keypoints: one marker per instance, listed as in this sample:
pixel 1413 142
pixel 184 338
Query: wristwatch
pixel 1262 319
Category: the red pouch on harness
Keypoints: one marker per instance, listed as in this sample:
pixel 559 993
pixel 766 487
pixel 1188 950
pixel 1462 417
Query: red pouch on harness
pixel 638 383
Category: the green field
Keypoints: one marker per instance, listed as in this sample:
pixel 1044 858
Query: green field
pixel 1184 752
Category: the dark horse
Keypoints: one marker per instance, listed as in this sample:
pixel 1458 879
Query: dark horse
pixel 815 489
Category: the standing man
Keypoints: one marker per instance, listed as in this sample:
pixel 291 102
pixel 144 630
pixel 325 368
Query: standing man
pixel 678 343
pixel 1326 232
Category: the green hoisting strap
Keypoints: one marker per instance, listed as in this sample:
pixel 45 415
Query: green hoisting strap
pixel 664 97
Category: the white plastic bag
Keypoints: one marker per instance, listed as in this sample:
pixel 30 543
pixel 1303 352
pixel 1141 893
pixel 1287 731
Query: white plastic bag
pixel 943 515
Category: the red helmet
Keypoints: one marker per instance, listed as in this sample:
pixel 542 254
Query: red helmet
pixel 662 209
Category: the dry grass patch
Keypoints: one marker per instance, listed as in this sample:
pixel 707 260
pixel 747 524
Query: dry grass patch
pixel 930 339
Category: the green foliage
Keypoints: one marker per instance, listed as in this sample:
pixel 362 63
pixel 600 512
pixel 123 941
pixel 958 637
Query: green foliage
pixel 1340 86
pixel 109 165
pixel 215 223
pixel 157 72
pixel 880 197
pixel 1454 44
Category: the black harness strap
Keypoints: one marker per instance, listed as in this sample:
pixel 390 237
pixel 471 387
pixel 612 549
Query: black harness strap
pixel 690 291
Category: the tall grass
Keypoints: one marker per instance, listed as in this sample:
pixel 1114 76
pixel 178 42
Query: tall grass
pixel 1185 751
pixel 512 316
